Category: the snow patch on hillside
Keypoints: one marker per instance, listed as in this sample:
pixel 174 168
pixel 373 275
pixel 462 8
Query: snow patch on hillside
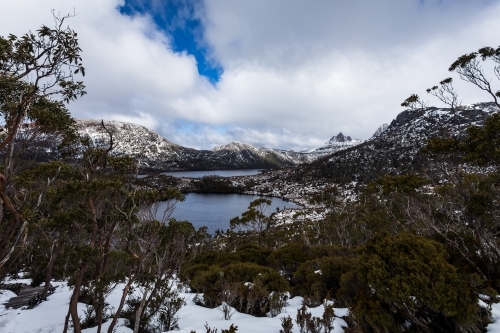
pixel 49 315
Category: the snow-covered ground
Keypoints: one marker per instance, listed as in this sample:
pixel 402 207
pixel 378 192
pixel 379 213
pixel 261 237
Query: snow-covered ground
pixel 49 316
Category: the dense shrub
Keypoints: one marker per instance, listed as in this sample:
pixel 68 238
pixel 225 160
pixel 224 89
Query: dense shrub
pixel 319 278
pixel 248 287
pixel 215 184
pixel 288 258
pixel 404 283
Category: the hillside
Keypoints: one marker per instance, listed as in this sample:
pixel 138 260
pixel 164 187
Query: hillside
pixel 155 153
pixel 396 149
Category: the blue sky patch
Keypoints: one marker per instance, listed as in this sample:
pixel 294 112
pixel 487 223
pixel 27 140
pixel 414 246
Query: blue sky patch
pixel 178 19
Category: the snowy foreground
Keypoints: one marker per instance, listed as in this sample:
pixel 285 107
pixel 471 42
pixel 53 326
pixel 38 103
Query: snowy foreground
pixel 49 316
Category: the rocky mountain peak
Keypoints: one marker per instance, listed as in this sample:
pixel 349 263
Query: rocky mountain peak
pixel 380 130
pixel 235 146
pixel 397 148
pixel 339 138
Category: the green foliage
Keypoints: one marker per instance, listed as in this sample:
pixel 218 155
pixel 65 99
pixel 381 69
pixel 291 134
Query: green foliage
pixel 286 324
pixel 309 324
pixel 303 317
pixel 248 253
pixel 481 146
pixel 215 184
pixel 48 53
pixel 245 286
pixel 254 218
pixel 288 258
pixel 406 278
pixel 469 68
pixel 210 330
pixel 407 184
pixel 159 314
pixel 316 279
pixel 231 329
pixel 413 102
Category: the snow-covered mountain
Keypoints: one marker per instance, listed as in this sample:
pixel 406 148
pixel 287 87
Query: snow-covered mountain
pixel 241 151
pixel 128 138
pixel 336 143
pixel 396 149
pixel 157 153
pixel 392 148
pixel 380 130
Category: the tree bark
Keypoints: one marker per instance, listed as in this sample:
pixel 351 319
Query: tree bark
pixel 73 309
pixel 138 313
pixel 14 224
pixel 120 307
pixel 48 274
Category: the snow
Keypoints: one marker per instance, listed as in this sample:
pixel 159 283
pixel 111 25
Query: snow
pixel 193 317
pixel 49 316
pixel 494 327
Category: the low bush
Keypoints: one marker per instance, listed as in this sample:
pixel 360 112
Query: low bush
pixel 404 283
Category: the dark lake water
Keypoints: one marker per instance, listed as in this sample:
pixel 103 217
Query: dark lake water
pixel 215 210
pixel 222 173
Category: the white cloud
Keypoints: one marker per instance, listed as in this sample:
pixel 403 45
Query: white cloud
pixel 295 72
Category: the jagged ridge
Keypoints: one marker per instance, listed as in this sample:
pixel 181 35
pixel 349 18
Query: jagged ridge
pixel 395 150
pixel 157 153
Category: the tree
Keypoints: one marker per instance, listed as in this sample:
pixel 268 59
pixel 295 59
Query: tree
pixel 35 69
pixel 476 196
pixel 469 68
pixel 446 93
pixel 37 66
pixel 254 218
pixel 414 102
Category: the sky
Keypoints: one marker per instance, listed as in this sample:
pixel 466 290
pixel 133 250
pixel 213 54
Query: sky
pixel 285 74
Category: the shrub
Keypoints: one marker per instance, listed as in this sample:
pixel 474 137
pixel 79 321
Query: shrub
pixel 404 283
pixel 288 258
pixel 309 324
pixel 286 324
pixel 245 286
pixel 320 277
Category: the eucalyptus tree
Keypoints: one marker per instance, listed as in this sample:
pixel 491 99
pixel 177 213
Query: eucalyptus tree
pixel 469 67
pixel 254 218
pixel 37 74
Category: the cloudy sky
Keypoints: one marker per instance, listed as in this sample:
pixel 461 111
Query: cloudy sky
pixel 275 73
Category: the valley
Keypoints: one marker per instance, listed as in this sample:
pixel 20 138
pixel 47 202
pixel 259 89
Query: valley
pixel 394 149
pixel 108 226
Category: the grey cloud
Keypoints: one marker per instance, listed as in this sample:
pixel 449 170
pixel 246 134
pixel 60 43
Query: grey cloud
pixel 296 72
pixel 269 31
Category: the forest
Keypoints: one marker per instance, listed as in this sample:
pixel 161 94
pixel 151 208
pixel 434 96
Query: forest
pixel 412 252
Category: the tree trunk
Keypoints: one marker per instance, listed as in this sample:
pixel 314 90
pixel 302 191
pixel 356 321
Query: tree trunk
pixel 138 313
pixel 120 307
pixel 77 327
pixel 66 322
pixel 15 223
pixel 99 310
pixel 48 274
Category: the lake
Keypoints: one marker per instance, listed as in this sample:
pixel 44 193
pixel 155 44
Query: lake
pixel 215 210
pixel 222 173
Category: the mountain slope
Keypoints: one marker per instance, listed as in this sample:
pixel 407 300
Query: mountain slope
pixel 335 144
pixel 395 150
pixel 157 153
